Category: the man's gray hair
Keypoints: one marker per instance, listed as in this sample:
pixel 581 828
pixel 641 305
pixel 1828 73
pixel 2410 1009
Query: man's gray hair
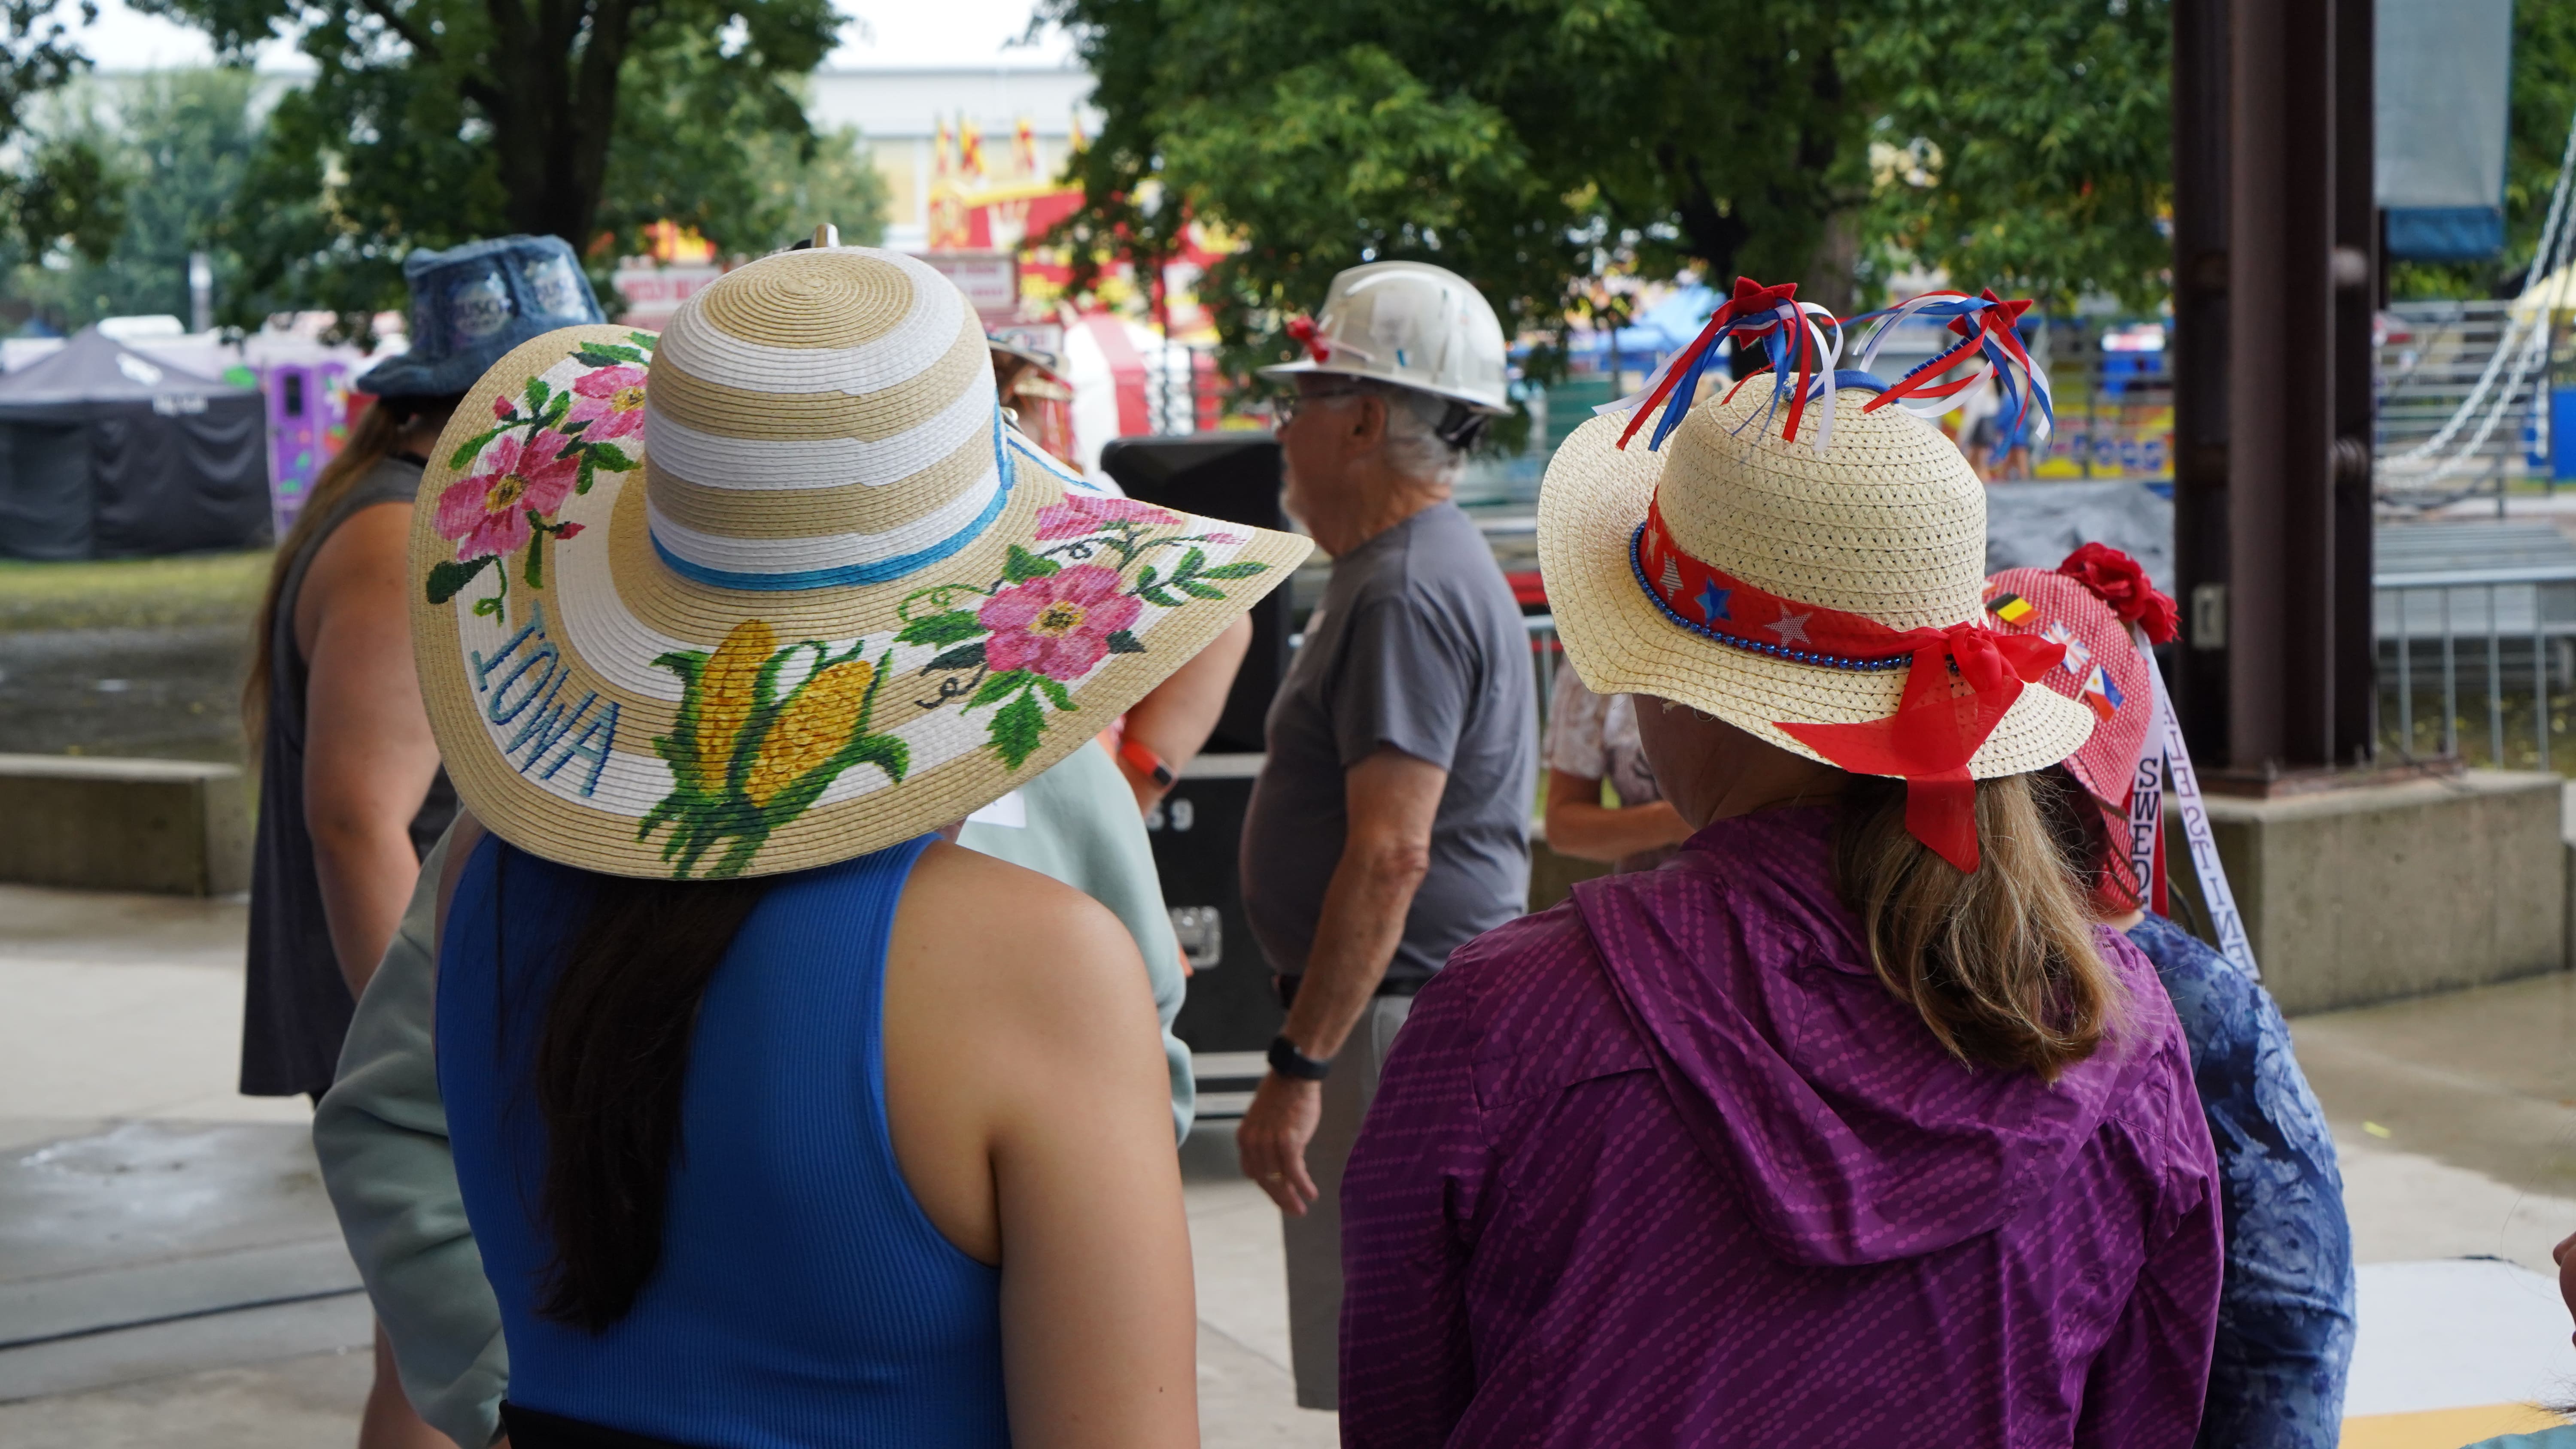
pixel 1415 443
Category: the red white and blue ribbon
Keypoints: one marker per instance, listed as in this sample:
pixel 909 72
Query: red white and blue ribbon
pixel 1962 680
pixel 1985 325
pixel 1791 333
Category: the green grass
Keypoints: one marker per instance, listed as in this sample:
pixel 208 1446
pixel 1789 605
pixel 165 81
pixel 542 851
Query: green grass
pixel 142 593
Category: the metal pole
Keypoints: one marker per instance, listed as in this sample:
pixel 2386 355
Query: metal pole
pixel 2359 278
pixel 2405 675
pixel 2197 360
pixel 2450 685
pixel 2495 689
pixel 2539 679
pixel 2281 455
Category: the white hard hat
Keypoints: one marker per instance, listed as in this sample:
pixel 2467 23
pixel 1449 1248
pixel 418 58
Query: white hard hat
pixel 1412 324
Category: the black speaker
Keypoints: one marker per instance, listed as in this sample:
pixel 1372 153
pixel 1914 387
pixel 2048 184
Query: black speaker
pixel 1234 476
pixel 1197 832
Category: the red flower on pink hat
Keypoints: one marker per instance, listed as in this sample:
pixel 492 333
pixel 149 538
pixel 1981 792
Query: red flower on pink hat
pixel 487 512
pixel 1082 513
pixel 610 400
pixel 2121 582
pixel 1058 625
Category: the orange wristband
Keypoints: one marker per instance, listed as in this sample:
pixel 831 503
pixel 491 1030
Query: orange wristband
pixel 1145 762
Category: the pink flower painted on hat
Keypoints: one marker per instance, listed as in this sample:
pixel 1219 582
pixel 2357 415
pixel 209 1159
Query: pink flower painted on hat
pixel 610 400
pixel 1082 513
pixel 487 512
pixel 1059 625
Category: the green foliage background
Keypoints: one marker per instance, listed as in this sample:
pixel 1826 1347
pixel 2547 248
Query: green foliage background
pixel 431 122
pixel 179 144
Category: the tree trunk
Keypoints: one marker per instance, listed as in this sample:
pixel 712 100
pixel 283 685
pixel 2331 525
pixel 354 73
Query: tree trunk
pixel 1829 278
pixel 1712 232
pixel 553 109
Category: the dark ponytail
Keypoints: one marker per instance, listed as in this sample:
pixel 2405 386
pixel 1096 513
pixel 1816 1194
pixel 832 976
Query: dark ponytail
pixel 610 1065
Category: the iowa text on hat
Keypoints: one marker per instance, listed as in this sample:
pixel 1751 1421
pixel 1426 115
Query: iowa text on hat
pixel 523 685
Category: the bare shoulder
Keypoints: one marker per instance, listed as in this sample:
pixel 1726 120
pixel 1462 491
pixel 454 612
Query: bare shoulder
pixel 1025 942
pixel 367 542
pixel 366 557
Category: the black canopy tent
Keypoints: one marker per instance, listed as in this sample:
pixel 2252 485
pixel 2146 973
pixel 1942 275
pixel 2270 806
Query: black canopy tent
pixel 105 453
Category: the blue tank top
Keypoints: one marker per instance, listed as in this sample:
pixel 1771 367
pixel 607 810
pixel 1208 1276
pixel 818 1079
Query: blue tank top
pixel 802 1300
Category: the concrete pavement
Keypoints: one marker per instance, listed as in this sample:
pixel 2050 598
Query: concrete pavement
pixel 170 1273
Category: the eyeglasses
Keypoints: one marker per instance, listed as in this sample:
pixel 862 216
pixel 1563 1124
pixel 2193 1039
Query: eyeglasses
pixel 1287 408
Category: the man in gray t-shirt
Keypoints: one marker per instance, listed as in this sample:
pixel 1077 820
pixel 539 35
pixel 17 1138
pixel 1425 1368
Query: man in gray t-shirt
pixel 1390 822
pixel 1417 647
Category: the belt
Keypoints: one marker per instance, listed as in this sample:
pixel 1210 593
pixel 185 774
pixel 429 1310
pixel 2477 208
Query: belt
pixel 1286 985
pixel 536 1429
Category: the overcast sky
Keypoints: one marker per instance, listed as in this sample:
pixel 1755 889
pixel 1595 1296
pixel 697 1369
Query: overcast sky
pixel 949 32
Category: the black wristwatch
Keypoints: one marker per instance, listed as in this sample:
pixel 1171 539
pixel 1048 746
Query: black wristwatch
pixel 1289 1062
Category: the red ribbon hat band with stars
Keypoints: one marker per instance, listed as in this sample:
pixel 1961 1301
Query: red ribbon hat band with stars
pixel 1963 680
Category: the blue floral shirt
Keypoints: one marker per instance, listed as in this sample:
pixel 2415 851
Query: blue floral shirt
pixel 2285 1315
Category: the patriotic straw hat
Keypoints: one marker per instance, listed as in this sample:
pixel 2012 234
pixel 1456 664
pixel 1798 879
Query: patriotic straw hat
pixel 777 588
pixel 2087 605
pixel 1805 563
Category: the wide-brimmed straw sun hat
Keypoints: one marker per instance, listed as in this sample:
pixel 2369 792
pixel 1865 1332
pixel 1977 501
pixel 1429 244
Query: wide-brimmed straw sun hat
pixel 1804 564
pixel 778 588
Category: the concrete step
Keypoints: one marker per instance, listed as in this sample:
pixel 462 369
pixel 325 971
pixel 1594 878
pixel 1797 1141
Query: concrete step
pixel 177 827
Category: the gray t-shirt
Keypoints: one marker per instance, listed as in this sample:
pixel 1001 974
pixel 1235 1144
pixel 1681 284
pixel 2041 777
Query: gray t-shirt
pixel 1418 645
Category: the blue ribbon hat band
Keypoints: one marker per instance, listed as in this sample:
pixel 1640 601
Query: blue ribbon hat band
pixel 875 571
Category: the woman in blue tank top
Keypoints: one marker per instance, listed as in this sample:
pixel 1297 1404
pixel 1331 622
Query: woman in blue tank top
pixel 782 1122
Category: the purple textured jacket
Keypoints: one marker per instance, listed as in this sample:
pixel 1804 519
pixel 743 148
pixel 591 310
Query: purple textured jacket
pixel 1668 1165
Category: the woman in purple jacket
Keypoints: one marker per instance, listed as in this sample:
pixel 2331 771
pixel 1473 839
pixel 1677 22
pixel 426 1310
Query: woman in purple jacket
pixel 1846 1126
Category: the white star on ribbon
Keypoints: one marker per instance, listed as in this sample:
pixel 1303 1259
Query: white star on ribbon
pixel 1672 579
pixel 1792 628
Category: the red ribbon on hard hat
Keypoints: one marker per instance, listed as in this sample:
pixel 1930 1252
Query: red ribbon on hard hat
pixel 1302 329
pixel 1962 681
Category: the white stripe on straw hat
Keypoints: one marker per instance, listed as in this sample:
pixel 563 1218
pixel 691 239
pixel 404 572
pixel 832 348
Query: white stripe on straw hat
pixel 778 588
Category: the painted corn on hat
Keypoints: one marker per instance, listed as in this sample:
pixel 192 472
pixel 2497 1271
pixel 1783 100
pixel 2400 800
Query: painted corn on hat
pixel 778 588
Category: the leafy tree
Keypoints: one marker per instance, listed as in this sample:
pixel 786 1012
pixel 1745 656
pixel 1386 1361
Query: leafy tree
pixel 1534 145
pixel 184 139
pixel 700 145
pixel 430 122
pixel 55 192
pixel 1526 144
pixel 2029 150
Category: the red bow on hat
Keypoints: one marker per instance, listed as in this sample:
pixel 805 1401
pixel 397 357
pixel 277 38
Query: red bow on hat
pixel 1302 329
pixel 1962 680
pixel 2121 582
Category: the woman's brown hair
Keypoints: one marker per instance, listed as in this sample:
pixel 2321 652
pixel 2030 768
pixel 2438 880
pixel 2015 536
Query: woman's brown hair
pixel 372 440
pixel 1999 961
pixel 612 1060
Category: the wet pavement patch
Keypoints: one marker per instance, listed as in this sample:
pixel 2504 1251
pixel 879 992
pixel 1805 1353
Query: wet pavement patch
pixel 167 693
pixel 165 1247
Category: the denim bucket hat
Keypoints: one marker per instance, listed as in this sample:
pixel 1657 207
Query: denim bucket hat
pixel 472 304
